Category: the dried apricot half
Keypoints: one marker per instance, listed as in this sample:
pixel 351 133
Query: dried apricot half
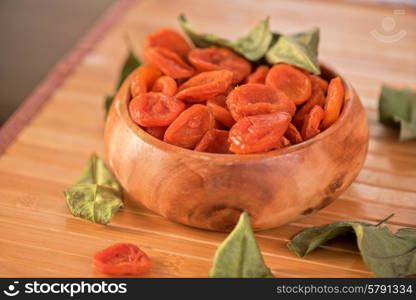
pixel 205 85
pixel 293 135
pixel 169 39
pixel 260 133
pixel 219 109
pixel 142 79
pixel 215 58
pixel 257 99
pixel 190 126
pixel 214 141
pixel 157 132
pixel 258 76
pixel 317 98
pixel 312 121
pixel 334 101
pixel 291 81
pixel 121 259
pixel 168 62
pixel 319 81
pixel 155 109
pixel 166 85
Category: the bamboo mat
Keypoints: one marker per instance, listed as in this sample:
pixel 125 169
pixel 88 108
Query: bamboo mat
pixel 39 237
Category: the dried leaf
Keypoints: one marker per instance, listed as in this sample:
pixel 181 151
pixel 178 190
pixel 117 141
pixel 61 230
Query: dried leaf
pixel 398 106
pixel 130 64
pixel 300 49
pixel 238 255
pixel 386 254
pixel 97 195
pixel 252 46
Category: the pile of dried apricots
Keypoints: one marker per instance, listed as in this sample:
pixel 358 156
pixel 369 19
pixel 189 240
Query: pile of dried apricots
pixel 213 100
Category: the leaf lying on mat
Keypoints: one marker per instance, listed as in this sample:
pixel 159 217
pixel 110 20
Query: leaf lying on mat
pixel 398 106
pixel 238 255
pixel 386 254
pixel 97 195
pixel 252 46
pixel 300 49
pixel 130 64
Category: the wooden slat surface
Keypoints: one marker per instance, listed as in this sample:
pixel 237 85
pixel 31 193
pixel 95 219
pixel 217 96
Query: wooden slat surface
pixel 39 237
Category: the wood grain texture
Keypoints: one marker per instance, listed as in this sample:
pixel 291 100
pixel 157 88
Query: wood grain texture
pixel 39 237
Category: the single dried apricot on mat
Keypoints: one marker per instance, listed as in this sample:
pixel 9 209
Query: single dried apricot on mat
pixel 257 134
pixel 293 135
pixel 258 76
pixel 168 62
pixel 214 58
pixel 155 109
pixel 142 79
pixel 214 141
pixel 312 121
pixel 317 98
pixel 257 99
pixel 334 101
pixel 220 110
pixel 157 132
pixel 168 39
pixel 295 84
pixel 205 85
pixel 190 126
pixel 121 259
pixel 166 85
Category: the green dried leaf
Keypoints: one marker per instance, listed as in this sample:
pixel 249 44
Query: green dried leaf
pixel 398 106
pixel 252 46
pixel 300 49
pixel 386 254
pixel 239 255
pixel 130 64
pixel 96 196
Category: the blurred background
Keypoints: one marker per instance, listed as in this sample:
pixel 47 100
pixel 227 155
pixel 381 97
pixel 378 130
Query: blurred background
pixel 35 34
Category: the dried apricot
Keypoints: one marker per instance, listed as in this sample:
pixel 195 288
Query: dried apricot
pixel 293 135
pixel 214 141
pixel 205 85
pixel 334 101
pixel 257 99
pixel 155 109
pixel 121 259
pixel 190 126
pixel 168 39
pixel 295 84
pixel 214 58
pixel 312 121
pixel 317 98
pixel 166 85
pixel 220 111
pixel 168 62
pixel 283 142
pixel 319 81
pixel 142 79
pixel 260 133
pixel 258 76
pixel 157 132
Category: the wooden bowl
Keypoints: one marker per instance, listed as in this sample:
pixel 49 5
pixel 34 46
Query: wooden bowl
pixel 210 191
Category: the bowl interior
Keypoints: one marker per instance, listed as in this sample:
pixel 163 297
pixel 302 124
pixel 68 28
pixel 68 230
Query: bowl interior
pixel 326 72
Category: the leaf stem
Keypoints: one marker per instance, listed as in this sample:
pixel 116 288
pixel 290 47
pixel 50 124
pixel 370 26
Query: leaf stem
pixel 384 220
